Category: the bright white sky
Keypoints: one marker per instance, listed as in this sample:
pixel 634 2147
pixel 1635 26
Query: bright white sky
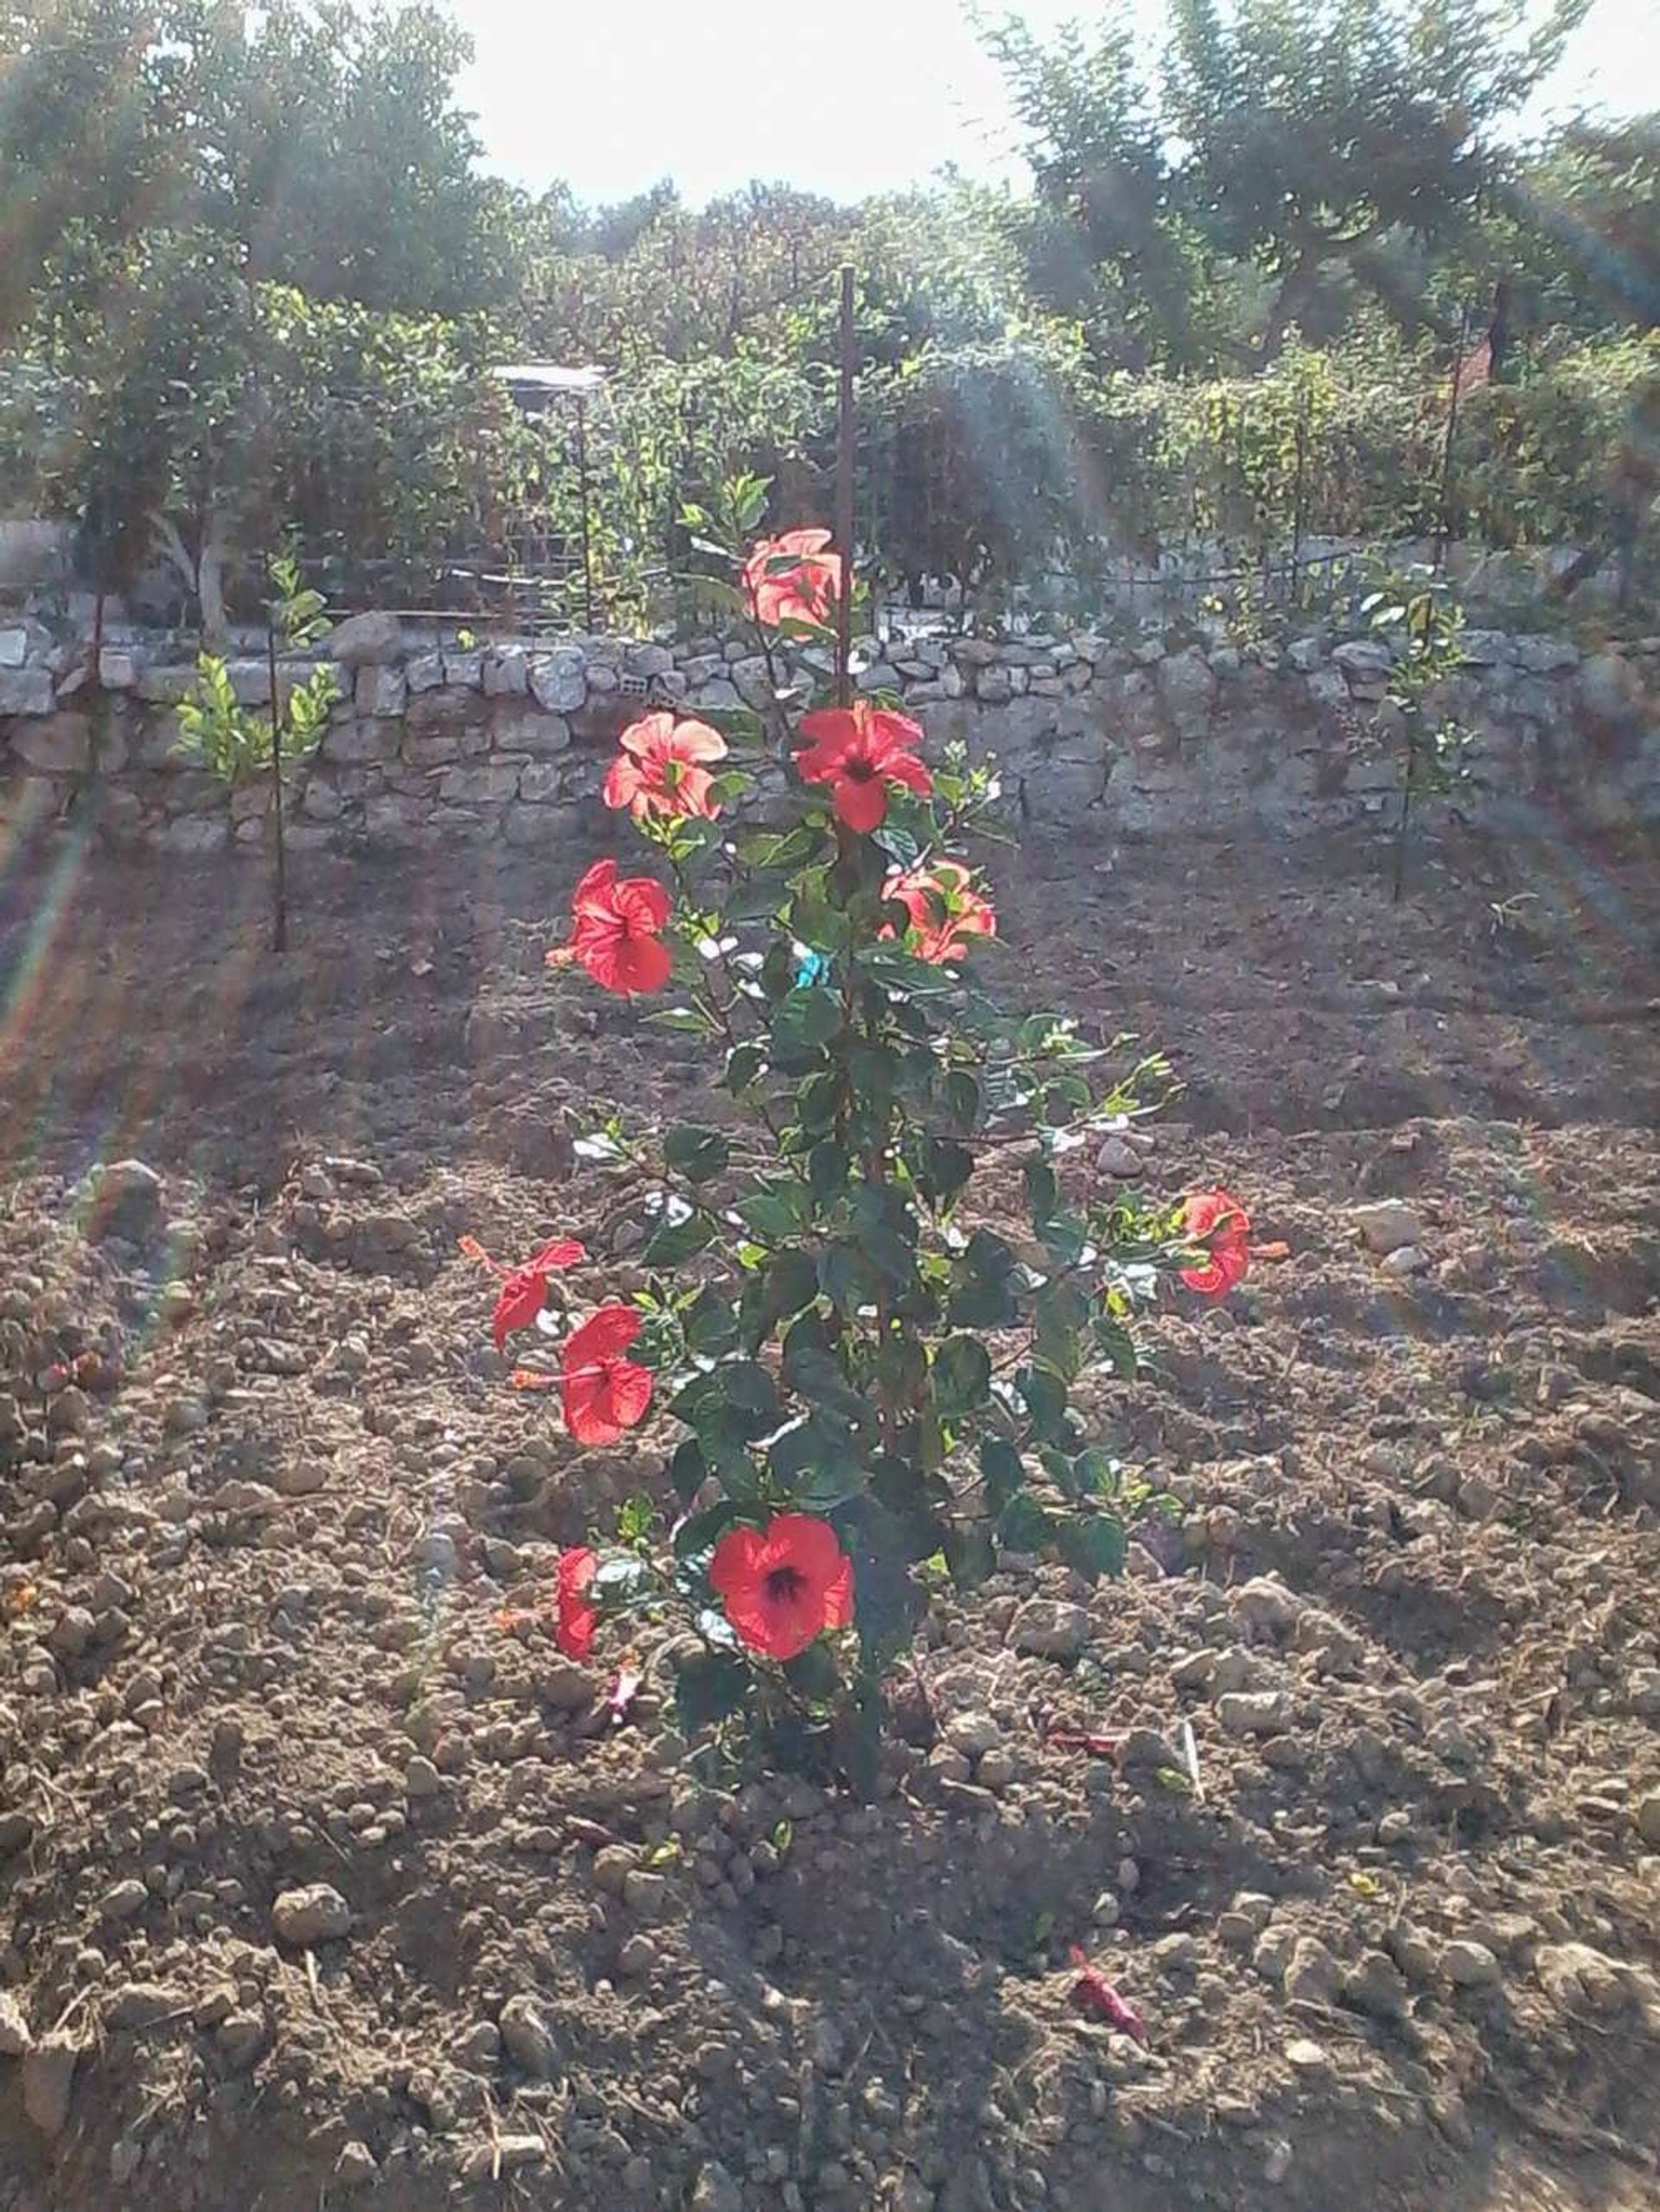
pixel 841 97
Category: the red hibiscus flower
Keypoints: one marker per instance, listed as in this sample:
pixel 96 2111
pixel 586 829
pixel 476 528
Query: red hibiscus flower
pixel 1213 1218
pixel 614 936
pixel 524 1289
pixel 603 1393
pixel 806 591
pixel 661 769
pixel 783 1584
pixel 574 1618
pixel 944 909
pixel 858 751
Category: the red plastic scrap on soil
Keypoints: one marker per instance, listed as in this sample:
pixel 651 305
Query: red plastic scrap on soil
pixel 1095 1993
pixel 1076 1739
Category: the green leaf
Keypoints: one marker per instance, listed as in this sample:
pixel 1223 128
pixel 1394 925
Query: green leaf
pixel 1023 1525
pixel 962 1375
pixel 711 1687
pixel 677 1241
pixel 887 1602
pixel 790 1284
pixel 828 1170
pixel 1115 1340
pixel 747 1388
pixel 697 1154
pixel 813 1673
pixel 703 1531
pixel 962 1098
pixel 1092 1544
pixel 1041 1192
pixel 818 1377
pixel 943 1168
pixel 1044 1392
pixel 1096 1474
pixel 776 1211
pixel 817 1463
pixel 710 1324
pixel 688 1470
pixel 1002 1470
pixel 970 1553
pixel 743 1065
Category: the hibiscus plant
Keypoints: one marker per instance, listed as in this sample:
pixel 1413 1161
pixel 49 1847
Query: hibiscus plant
pixel 873 1282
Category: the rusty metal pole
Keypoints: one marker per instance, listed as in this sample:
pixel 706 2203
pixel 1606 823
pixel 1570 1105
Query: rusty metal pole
pixel 845 495
pixel 1444 497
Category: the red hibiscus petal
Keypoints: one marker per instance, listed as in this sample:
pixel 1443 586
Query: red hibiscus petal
pixel 605 1335
pixel 643 904
pixel 624 783
pixel 585 1401
pixel 592 894
pixel 862 805
pixel 562 1252
pixel 650 734
pixel 696 740
pixel 630 1385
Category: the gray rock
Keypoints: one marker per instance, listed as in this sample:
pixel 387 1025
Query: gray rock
pixel 1545 656
pixel 49 2075
pixel 15 642
pixel 1303 653
pixel 124 1201
pixel 314 1913
pixel 1254 1712
pixel 371 641
pixel 1265 1603
pixel 464 670
pixel 15 2037
pixel 26 691
pixel 356 744
pixel 382 693
pixel 507 674
pixel 972 1733
pixel 425 672
pixel 1375 1984
pixel 1312 1974
pixel 716 2191
pixel 125 1901
pixel 558 680
pixel 1388 1226
pixel 241 2037
pixel 1050 1629
pixel 1609 693
pixel 356 2167
pixel 528 2036
pixel 1469 1965
pixel 59 746
pixel 1578 1979
pixel 1648 1819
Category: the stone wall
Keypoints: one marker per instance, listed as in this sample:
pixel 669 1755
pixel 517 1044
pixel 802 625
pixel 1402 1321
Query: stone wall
pixel 431 739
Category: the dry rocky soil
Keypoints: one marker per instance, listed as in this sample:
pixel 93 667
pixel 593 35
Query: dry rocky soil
pixel 319 1887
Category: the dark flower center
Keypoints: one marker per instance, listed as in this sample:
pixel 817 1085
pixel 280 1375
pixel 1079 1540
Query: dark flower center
pixel 858 769
pixel 783 1585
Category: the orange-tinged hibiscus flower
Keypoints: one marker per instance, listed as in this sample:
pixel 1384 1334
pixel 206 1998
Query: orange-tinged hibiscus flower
pixel 1211 1218
pixel 662 769
pixel 614 936
pixel 783 1585
pixel 524 1289
pixel 944 907
pixel 858 751
pixel 804 591
pixel 601 1393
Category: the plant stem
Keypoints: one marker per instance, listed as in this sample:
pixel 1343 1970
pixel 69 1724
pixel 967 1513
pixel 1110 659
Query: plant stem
pixel 279 933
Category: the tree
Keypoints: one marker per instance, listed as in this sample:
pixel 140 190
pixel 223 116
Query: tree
pixel 1314 129
pixel 1103 238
